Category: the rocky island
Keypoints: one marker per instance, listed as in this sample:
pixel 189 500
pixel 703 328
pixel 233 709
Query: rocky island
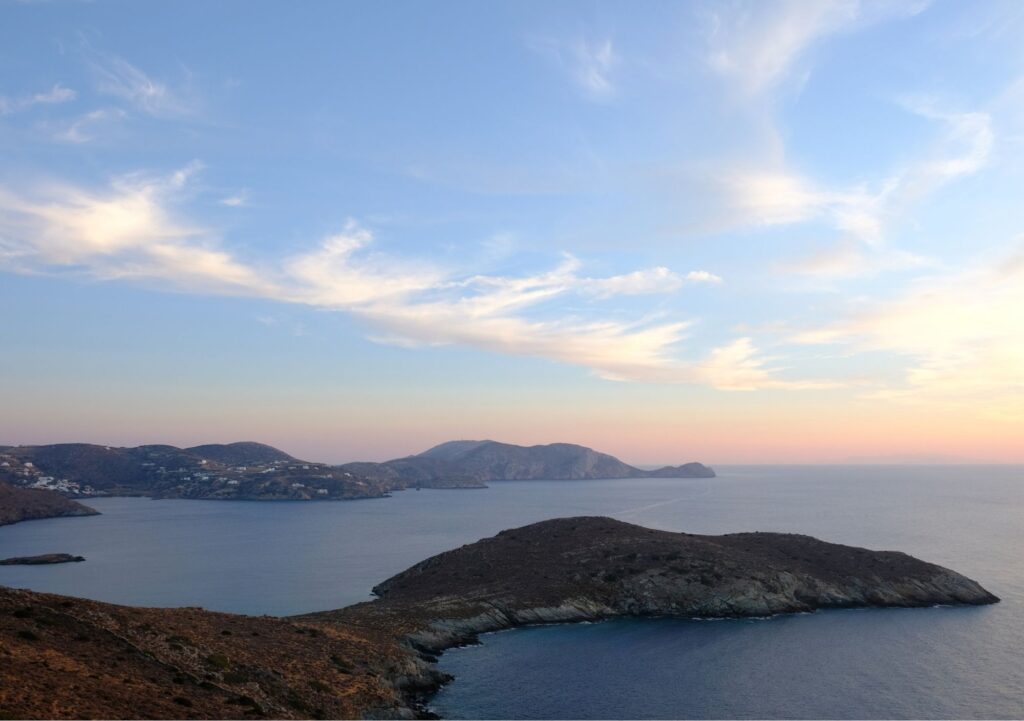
pixel 63 657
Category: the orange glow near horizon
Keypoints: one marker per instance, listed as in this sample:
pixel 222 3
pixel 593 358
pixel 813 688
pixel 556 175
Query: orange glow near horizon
pixel 739 429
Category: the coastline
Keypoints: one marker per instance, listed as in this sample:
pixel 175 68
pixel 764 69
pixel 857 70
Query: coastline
pixel 379 658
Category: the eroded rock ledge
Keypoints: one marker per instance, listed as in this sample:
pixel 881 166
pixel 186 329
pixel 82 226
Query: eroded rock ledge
pixel 67 657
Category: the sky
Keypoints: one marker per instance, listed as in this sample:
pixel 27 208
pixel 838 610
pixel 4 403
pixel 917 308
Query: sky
pixel 734 232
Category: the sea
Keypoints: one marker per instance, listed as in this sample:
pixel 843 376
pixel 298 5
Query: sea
pixel 281 558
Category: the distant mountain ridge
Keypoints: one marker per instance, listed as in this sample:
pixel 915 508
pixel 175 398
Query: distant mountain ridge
pixel 489 460
pixel 256 471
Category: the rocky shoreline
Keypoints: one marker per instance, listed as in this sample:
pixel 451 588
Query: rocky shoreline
pixel 378 659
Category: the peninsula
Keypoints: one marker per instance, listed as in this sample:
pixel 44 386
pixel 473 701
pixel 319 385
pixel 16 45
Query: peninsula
pixel 65 657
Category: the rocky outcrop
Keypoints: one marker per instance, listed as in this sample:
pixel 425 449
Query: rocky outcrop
pixel 41 560
pixel 26 504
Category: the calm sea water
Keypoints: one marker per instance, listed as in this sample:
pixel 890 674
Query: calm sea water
pixel 282 558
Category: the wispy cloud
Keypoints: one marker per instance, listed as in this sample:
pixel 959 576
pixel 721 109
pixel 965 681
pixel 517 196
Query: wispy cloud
pixel 758 45
pixel 960 332
pixel 593 64
pixel 55 95
pixel 590 64
pixel 861 214
pixel 849 258
pixel 780 197
pixel 119 78
pixel 131 231
pixel 963 149
pixel 84 128
pixel 739 366
pixel 236 200
pixel 643 282
pixel 702 276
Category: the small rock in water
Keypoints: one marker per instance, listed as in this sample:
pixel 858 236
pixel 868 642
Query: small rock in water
pixel 46 558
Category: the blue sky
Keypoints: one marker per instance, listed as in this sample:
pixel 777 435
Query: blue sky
pixel 736 231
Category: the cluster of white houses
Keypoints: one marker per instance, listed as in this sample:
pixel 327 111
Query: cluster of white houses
pixel 26 474
pixel 200 478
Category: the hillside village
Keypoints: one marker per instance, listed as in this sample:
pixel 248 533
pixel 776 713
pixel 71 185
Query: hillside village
pixel 25 474
pixel 83 471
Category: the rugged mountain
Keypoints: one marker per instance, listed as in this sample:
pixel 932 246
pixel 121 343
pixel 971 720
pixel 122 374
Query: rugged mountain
pixel 240 454
pixel 26 504
pixel 71 658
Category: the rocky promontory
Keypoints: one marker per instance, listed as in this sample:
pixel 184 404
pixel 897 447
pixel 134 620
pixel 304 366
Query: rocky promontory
pixel 26 504
pixel 64 657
